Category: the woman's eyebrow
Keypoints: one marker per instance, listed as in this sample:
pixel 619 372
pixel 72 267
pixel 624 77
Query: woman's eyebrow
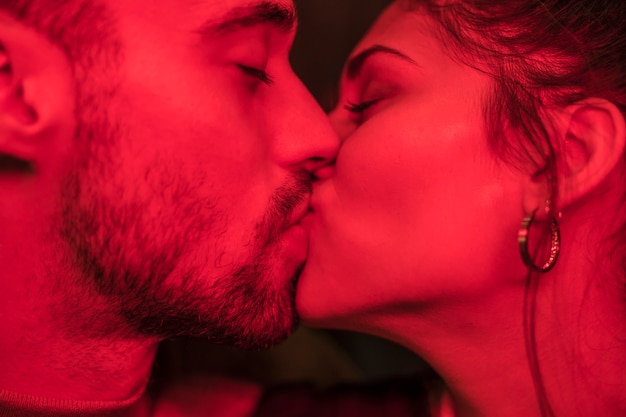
pixel 355 64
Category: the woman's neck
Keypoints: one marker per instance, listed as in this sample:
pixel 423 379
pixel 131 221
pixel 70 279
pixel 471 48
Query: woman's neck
pixel 478 346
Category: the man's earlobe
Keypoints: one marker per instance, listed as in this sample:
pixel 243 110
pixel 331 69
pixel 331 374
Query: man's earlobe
pixel 36 93
pixel 12 92
pixel 16 115
pixel 594 140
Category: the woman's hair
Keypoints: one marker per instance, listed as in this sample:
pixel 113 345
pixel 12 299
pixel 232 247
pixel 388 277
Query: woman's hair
pixel 541 54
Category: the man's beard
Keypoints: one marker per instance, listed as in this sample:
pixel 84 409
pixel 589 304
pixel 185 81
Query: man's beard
pixel 147 264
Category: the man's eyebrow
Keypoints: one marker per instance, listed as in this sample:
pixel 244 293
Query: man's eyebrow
pixel 280 16
pixel 355 64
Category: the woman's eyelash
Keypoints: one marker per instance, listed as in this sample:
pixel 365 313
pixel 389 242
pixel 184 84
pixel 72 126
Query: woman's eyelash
pixel 261 75
pixel 360 107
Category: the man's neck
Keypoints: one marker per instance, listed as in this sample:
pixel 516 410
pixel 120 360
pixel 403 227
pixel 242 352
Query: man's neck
pixel 92 371
pixel 50 355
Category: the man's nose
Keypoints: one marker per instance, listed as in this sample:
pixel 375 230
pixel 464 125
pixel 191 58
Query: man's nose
pixel 307 139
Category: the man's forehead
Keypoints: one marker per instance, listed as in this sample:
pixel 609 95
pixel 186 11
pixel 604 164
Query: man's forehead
pixel 210 15
pixel 229 4
pixel 280 14
pixel 222 6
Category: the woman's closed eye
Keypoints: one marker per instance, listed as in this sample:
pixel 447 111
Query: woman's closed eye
pixel 360 109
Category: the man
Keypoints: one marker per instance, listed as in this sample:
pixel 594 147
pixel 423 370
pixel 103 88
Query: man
pixel 155 157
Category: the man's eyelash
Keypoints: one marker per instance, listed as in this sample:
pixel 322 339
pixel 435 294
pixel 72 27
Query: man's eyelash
pixel 360 107
pixel 261 75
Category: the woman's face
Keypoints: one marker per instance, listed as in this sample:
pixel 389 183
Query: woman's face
pixel 419 210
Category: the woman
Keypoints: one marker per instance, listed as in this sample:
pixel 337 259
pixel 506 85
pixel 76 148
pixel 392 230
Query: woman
pixel 476 212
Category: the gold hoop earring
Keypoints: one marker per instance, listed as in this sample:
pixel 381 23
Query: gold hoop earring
pixel 555 245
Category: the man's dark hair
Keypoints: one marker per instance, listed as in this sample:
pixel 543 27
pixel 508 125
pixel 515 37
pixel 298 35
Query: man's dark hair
pixel 83 29
pixel 86 31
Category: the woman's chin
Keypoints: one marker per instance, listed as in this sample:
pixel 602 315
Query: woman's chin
pixel 317 303
pixel 311 302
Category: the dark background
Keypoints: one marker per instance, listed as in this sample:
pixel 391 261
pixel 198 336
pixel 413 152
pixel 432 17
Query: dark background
pixel 328 31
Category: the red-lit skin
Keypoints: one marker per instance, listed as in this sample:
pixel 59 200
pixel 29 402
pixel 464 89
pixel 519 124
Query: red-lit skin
pixel 414 237
pixel 190 115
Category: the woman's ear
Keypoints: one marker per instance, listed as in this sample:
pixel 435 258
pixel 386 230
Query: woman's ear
pixel 594 140
pixel 36 93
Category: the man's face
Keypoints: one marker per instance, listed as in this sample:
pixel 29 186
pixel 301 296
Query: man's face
pixel 182 209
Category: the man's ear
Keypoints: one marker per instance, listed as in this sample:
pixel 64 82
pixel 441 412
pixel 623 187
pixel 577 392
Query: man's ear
pixel 36 94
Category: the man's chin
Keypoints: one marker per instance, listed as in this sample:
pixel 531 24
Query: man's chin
pixel 247 311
